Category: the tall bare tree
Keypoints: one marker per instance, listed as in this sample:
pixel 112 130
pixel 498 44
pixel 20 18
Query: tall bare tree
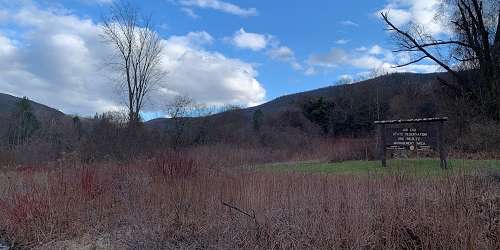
pixel 137 51
pixel 474 49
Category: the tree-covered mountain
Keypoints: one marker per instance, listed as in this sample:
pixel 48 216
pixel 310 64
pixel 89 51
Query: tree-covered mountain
pixel 349 109
pixel 8 104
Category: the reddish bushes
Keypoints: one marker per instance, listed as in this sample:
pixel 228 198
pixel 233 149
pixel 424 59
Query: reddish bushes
pixel 174 165
pixel 89 183
pixel 352 149
pixel 133 206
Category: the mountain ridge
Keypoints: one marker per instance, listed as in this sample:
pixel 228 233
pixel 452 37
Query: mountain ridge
pixel 282 103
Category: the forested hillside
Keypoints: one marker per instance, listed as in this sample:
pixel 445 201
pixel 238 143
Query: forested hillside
pixel 288 122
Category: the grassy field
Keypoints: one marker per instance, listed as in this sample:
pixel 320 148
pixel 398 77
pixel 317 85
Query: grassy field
pixel 410 166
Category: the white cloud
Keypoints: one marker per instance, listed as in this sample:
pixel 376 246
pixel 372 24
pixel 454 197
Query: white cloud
pixel 332 59
pixel 281 53
pixel 190 13
pixel 192 40
pixel 3 15
pixel 349 23
pixel 6 47
pixel 101 2
pixel 361 49
pixel 60 59
pixel 375 50
pixel 258 42
pixel 421 12
pixel 398 17
pixel 375 59
pixel 253 41
pixel 220 6
pixel 342 41
pixel 310 71
pixel 285 54
pixel 345 79
pixel 208 77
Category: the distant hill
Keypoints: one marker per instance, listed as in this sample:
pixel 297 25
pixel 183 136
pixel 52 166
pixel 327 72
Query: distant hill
pixel 392 81
pixel 388 86
pixel 8 106
pixel 382 90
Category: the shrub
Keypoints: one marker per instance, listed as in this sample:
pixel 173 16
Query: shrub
pixel 133 206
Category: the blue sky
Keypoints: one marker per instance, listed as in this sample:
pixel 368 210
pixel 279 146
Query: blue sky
pixel 218 52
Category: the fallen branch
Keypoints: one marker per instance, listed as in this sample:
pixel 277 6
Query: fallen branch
pixel 239 210
pixel 243 212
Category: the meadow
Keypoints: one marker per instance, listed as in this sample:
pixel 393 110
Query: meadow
pixel 422 167
pixel 207 133
pixel 191 201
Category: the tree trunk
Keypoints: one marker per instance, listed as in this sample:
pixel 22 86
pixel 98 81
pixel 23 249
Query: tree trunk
pixel 497 98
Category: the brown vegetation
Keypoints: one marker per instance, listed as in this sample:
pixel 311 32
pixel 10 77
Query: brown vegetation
pixel 184 200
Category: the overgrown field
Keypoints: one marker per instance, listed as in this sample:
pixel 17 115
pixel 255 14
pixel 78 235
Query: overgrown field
pixel 180 201
pixel 423 167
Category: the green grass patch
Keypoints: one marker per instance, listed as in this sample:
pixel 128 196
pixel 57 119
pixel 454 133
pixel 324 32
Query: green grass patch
pixel 410 166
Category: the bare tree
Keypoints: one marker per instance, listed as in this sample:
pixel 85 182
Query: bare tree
pixel 138 54
pixel 179 107
pixel 178 110
pixel 474 47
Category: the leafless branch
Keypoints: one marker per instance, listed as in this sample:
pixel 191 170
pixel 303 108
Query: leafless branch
pixel 419 47
pixel 409 63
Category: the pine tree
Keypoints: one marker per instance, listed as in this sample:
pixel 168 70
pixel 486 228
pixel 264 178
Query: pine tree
pixel 25 123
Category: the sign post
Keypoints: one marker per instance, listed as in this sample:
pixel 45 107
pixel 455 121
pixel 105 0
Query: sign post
pixel 442 150
pixel 414 135
pixel 382 145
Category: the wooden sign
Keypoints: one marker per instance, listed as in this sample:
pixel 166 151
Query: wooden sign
pixel 411 138
pixel 413 135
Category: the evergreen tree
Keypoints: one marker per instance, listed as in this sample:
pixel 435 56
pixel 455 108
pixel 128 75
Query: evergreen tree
pixel 258 119
pixel 25 123
pixel 319 111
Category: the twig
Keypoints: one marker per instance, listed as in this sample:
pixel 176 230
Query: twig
pixel 239 210
pixel 243 212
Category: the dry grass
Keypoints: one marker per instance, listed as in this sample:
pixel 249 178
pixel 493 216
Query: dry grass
pixel 177 201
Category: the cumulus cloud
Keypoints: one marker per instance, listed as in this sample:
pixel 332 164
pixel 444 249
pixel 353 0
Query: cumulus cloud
pixel 208 77
pixel 258 42
pixel 220 6
pixel 57 63
pixel 248 40
pixel 420 12
pixel 59 60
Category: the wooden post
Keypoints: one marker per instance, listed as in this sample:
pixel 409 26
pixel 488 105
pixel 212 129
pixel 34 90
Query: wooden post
pixel 382 145
pixel 442 150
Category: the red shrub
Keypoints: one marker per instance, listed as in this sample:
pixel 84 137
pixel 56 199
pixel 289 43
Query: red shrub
pixel 169 202
pixel 174 165
pixel 89 183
